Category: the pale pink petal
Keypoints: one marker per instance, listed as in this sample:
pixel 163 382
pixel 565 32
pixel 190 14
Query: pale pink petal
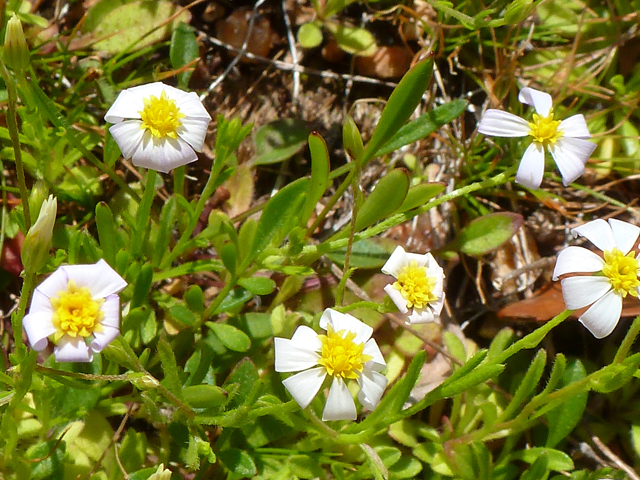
pixel 72 350
pixel 576 260
pixel 531 168
pixel 127 105
pixel 340 404
pixel 38 327
pixel 193 131
pixel 571 155
pixel 578 292
pixel 603 316
pixel 397 298
pixel 299 353
pixel 128 135
pixel 575 127
pixel 541 101
pixel 163 154
pixel 624 234
pixel 304 386
pixel 396 262
pixel 99 278
pixel 371 348
pixel 597 232
pixel 372 385
pixel 499 123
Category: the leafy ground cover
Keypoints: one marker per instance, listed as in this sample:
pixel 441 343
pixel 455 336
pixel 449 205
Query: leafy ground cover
pixel 161 279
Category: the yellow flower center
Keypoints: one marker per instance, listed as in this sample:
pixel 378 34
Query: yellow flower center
pixel 161 116
pixel 76 312
pixel 622 271
pixel 415 286
pixel 340 355
pixel 544 130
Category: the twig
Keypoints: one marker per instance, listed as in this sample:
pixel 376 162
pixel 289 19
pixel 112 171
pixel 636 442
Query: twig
pixel 294 56
pixel 614 458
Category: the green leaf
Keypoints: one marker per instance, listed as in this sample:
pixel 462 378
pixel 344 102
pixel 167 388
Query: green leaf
pixel 194 297
pixel 135 25
pixel 565 417
pixel 106 232
pixel 455 346
pixel 386 198
pixel 229 255
pixel 142 286
pixel 353 40
pixel 183 315
pixel 183 50
pixel 234 301
pixel 309 35
pixel 368 253
pixel 279 140
pixel 258 285
pixel 170 367
pixel 165 230
pixel 230 336
pixel 539 469
pixel 204 396
pixel 527 385
pixel 238 462
pixel 246 376
pixel 352 140
pixel 487 233
pixel 558 461
pixel 277 214
pixel 319 183
pixel 419 195
pixel 424 125
pixel 402 103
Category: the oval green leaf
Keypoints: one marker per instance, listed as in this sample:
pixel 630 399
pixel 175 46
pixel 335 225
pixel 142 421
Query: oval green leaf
pixel 487 233
pixel 231 337
pixel 309 35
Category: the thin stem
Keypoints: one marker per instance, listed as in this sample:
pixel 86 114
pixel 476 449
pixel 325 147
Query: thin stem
pixel 16 318
pixel 12 125
pixel 629 338
pixel 142 218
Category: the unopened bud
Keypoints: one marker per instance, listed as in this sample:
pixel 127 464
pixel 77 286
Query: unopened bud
pixel 39 193
pixel 35 250
pixel 15 51
pixel 161 473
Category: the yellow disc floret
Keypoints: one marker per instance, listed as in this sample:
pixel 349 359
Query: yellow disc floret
pixel 622 271
pixel 76 312
pixel 161 116
pixel 340 355
pixel 415 286
pixel 544 130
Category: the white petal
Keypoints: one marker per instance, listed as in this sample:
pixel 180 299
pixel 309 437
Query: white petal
pixel 163 154
pixel 100 278
pixel 531 169
pixel 340 404
pixel 372 385
pixel 344 321
pixel 577 259
pixel 541 101
pixel 603 316
pixel 191 106
pixel 128 135
pixel 40 303
pixel 578 292
pixel 397 298
pixel 57 282
pixel 38 327
pixel 127 105
pixel 571 155
pixel 371 348
pixel 103 338
pixel 193 131
pixel 111 309
pixel 72 350
pixel 597 232
pixel 299 353
pixel 425 315
pixel 575 127
pixel 152 89
pixel 304 386
pixel 624 234
pixel 499 123
pixel 396 262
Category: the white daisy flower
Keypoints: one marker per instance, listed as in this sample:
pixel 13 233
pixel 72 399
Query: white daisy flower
pixel 158 126
pixel 76 304
pixel 565 140
pixel 419 285
pixel 612 278
pixel 347 351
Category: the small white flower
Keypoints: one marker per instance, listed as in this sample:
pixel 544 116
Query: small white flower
pixel 565 140
pixel 419 285
pixel 158 126
pixel 612 278
pixel 76 303
pixel 347 351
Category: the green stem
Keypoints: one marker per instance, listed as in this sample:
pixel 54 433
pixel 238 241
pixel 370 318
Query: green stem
pixel 218 300
pixel 629 338
pixel 16 318
pixel 144 210
pixel 12 125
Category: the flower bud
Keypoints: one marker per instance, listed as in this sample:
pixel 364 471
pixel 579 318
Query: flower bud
pixel 15 50
pixel 35 250
pixel 39 193
pixel 161 473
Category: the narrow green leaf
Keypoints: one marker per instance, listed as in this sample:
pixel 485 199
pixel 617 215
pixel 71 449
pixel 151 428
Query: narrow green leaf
pixel 480 375
pixel 142 285
pixel 183 50
pixel 194 297
pixel 424 125
pixel 558 461
pixel 487 233
pixel 230 336
pixel 527 385
pixel 418 195
pixel 352 140
pixel 229 256
pixel 106 232
pixel 165 229
pixel 386 198
pixel 565 417
pixel 320 168
pixel 204 396
pixel 170 367
pixel 402 103
pixel 454 346
pixel 238 462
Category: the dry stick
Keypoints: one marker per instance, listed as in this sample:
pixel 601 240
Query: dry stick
pixel 294 56
pixel 241 53
pixel 614 458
